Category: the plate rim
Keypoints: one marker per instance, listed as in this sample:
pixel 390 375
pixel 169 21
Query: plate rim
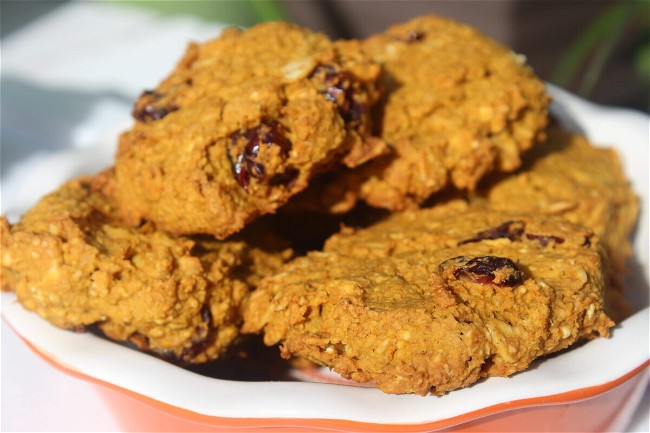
pixel 572 396
pixel 562 97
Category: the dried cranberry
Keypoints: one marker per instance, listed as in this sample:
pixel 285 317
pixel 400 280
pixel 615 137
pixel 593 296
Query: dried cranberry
pixel 147 109
pixel 509 230
pixel 544 240
pixel 339 87
pixel 245 147
pixel 199 344
pixel 484 269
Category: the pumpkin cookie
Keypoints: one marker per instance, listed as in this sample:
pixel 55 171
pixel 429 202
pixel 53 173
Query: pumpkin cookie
pixel 458 106
pixel 242 124
pixel 570 177
pixel 432 300
pixel 75 263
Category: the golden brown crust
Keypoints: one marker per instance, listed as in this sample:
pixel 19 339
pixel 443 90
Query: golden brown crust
pixel 570 177
pixel 429 301
pixel 75 263
pixel 425 301
pixel 458 106
pixel 459 99
pixel 242 124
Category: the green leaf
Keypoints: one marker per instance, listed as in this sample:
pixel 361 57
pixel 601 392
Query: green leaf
pixel 269 10
pixel 642 62
pixel 233 12
pixel 597 42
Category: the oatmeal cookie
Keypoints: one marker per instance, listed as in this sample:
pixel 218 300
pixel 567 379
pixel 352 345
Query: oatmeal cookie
pixel 432 300
pixel 242 124
pixel 75 263
pixel 570 177
pixel 458 106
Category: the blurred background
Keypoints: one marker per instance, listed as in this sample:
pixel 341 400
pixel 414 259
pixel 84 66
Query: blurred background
pixel 599 49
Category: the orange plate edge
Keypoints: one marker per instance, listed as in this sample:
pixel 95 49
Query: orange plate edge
pixel 339 424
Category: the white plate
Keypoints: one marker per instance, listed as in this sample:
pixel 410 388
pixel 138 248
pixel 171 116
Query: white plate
pixel 137 372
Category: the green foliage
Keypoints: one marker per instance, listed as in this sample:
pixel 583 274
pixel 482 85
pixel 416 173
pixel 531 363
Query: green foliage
pixel 586 58
pixel 235 12
pixel 642 61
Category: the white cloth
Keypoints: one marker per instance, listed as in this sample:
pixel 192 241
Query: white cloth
pixel 68 83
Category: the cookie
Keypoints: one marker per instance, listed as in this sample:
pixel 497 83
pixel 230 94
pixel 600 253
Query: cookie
pixel 458 106
pixel 242 124
pixel 74 262
pixel 570 177
pixel 432 300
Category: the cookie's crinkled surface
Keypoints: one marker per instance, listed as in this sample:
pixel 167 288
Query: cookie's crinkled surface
pixel 242 124
pixel 432 300
pixel 570 177
pixel 71 260
pixel 458 107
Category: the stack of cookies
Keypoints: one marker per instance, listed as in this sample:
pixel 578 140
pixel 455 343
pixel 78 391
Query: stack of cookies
pixel 400 209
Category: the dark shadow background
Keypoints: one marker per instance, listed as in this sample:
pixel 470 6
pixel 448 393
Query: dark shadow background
pixel 542 30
